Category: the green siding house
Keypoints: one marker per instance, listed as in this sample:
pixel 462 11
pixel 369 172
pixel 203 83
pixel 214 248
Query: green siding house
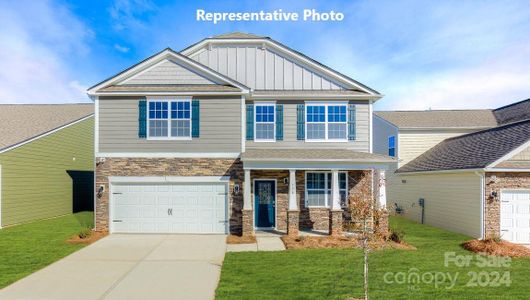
pixel 46 161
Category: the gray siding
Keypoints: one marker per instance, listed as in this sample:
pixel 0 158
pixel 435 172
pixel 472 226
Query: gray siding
pixel 263 69
pixel 220 127
pixel 289 127
pixel 167 72
pixel 382 131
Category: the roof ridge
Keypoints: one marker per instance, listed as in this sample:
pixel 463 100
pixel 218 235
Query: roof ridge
pixel 511 104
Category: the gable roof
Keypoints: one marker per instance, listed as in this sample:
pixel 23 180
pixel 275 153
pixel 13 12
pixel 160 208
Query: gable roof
pixel 236 37
pixel 423 119
pixel 21 122
pixel 514 112
pixel 471 151
pixel 159 57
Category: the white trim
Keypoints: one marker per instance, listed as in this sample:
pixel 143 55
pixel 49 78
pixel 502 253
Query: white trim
pixel 509 154
pixel 282 49
pixel 474 128
pixel 328 204
pixel 169 100
pixel 96 124
pixel 169 154
pixel 190 93
pixel 314 166
pixel 45 134
pixel 265 103
pixel 165 54
pixel 505 170
pixel 326 121
pixel 254 203
pixel 167 179
pixel 243 123
pixel 482 205
pixel 504 190
pixel 310 96
pixel 371 126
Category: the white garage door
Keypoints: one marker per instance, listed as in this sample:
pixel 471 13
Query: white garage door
pixel 515 216
pixel 169 208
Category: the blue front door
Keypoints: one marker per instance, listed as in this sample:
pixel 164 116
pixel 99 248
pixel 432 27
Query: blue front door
pixel 265 202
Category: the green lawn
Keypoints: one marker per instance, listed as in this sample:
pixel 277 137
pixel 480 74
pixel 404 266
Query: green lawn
pixel 27 248
pixel 337 274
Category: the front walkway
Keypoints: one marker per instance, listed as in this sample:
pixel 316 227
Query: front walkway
pixel 124 266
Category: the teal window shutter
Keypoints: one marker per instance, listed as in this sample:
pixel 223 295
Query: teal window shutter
pixel 142 119
pixel 300 122
pixel 195 119
pixel 351 122
pixel 279 122
pixel 250 121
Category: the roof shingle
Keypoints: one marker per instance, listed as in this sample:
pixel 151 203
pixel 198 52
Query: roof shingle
pixel 313 155
pixel 477 118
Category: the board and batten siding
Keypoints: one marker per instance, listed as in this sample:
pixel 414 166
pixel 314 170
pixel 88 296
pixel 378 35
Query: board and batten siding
pixel 35 179
pixel 413 143
pixel 167 72
pixel 262 68
pixel 452 201
pixel 220 127
pixel 361 142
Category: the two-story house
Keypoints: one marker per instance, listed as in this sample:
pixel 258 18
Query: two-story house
pixel 235 133
pixel 463 170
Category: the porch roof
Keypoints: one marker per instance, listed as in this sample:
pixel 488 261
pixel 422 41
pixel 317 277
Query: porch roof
pixel 314 159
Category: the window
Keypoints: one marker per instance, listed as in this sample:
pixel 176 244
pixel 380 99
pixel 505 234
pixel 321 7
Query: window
pixel 265 122
pixel 318 189
pixel 170 119
pixel 392 146
pixel 326 122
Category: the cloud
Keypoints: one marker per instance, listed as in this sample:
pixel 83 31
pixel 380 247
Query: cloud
pixel 36 39
pixel 121 48
pixel 129 14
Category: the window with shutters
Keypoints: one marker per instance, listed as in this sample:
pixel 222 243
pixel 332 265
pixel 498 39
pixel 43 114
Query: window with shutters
pixel 326 122
pixel 169 119
pixel 265 122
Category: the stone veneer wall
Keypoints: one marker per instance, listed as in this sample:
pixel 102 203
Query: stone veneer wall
pixel 505 180
pixel 170 167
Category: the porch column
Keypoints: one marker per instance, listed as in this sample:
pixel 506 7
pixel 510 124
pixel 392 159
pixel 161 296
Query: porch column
pixel 335 213
pixel 293 214
pixel 247 212
pixel 381 190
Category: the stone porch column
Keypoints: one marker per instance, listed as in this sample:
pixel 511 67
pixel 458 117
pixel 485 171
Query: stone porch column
pixel 335 213
pixel 293 213
pixel 248 212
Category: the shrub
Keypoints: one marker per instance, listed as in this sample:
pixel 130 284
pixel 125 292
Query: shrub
pixel 84 233
pixel 397 235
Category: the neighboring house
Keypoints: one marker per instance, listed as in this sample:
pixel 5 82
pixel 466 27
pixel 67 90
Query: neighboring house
pixel 475 183
pixel 234 133
pixel 46 161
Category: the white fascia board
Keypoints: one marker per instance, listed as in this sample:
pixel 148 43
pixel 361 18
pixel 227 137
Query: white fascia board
pixel 280 48
pixel 168 93
pixel 45 134
pixel 371 127
pixel 167 179
pixel 509 154
pixel 476 128
pixel 317 97
pixel 297 165
pixel 169 154
pixel 156 59
pixel 505 170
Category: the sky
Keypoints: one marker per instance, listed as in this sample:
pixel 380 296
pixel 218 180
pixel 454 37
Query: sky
pixel 418 54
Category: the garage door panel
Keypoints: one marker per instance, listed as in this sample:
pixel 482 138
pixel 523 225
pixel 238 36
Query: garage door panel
pixel 173 208
pixel 515 216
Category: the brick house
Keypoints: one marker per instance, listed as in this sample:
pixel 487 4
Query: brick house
pixel 235 133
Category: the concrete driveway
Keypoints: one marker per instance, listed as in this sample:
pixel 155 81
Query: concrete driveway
pixel 124 266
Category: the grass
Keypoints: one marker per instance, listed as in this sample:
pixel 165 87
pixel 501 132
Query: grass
pixel 337 273
pixel 27 248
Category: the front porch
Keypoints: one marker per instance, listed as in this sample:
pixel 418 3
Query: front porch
pixel 293 190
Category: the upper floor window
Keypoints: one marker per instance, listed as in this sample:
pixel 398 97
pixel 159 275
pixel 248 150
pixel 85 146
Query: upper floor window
pixel 170 119
pixel 392 146
pixel 326 122
pixel 265 122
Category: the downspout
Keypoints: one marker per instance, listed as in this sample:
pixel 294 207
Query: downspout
pixel 482 176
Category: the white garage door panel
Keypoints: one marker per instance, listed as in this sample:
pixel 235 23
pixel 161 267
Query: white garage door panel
pixel 515 216
pixel 169 208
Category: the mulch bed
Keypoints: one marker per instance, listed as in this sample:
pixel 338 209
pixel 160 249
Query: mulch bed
pixel 319 242
pixel 94 236
pixel 496 248
pixel 236 239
